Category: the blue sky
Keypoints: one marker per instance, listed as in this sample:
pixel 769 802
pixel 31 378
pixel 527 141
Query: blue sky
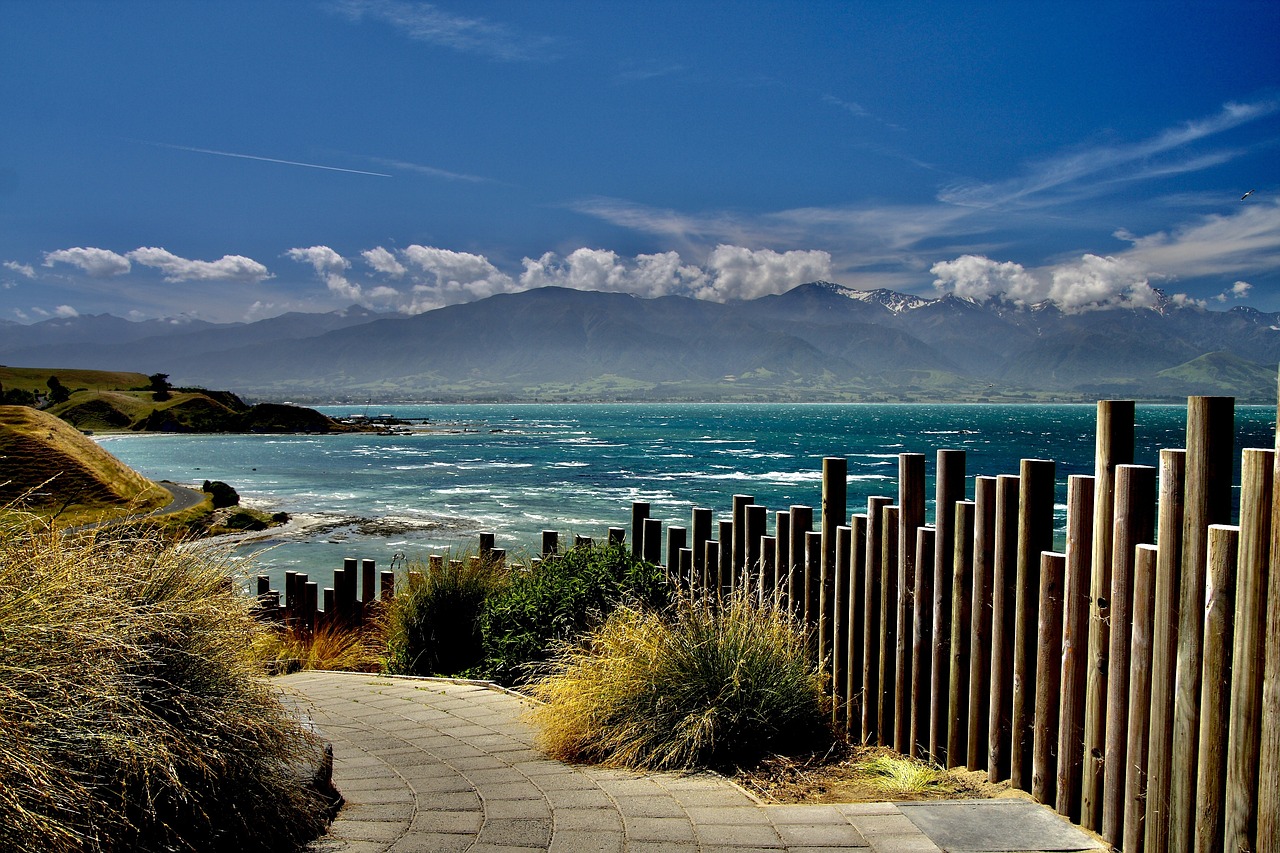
pixel 231 161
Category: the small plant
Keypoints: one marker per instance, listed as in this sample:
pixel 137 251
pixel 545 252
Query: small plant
pixel 433 628
pixel 703 686
pixel 329 647
pixel 895 774
pixel 558 599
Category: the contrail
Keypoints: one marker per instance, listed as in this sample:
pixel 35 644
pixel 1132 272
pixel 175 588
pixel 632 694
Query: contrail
pixel 270 160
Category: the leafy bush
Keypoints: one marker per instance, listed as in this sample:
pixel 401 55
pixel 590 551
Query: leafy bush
pixel 559 599
pixel 433 628
pixel 132 716
pixel 703 686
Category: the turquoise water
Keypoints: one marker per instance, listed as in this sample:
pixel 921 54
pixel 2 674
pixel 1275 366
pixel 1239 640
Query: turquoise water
pixel 515 470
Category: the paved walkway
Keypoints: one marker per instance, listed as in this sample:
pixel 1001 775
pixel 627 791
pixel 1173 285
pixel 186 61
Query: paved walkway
pixel 430 765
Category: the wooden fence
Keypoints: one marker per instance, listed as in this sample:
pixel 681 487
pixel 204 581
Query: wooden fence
pixel 1132 682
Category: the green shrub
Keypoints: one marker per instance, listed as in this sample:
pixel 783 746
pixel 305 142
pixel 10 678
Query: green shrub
pixel 702 686
pixel 559 599
pixel 433 628
pixel 132 716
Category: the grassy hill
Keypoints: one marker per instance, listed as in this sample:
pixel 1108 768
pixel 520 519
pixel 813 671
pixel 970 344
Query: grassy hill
pixel 51 468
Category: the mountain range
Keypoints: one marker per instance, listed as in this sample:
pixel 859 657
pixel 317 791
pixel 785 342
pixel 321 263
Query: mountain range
pixel 818 341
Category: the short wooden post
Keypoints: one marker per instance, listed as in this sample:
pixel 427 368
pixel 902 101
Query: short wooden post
pixel 1244 726
pixel 757 521
pixel 724 574
pixel 1004 580
pixel 1035 536
pixel 911 502
pixel 948 488
pixel 435 562
pixel 1075 643
pixel 1135 793
pixel 414 579
pixel 639 512
pixel 684 567
pixel 700 528
pixel 801 524
pixel 711 559
pixel 264 585
pixel 368 580
pixel 1210 459
pixel 872 629
pixel 740 504
pixel 1134 524
pixel 984 542
pixel 617 535
pixel 652 537
pixel 387 585
pixel 291 605
pixel 768 568
pixel 675 541
pixel 310 594
pixel 855 606
pixel 1114 446
pixel 813 584
pixel 961 621
pixel 892 731
pixel 329 596
pixel 1219 611
pixel 922 644
pixel 839 622
pixel 343 600
pixel 1044 739
pixel 782 572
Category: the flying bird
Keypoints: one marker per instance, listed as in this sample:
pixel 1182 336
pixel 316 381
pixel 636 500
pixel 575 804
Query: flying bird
pixel 1246 195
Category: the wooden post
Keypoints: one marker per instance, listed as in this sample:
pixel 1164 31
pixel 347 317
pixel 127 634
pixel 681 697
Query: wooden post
pixel 834 510
pixel 839 621
pixel 1210 457
pixel 711 559
pixel 264 585
pixel 873 628
pixel 948 488
pixel 1035 535
pixel 486 545
pixel 386 585
pixel 617 535
pixel 675 541
pixel 1114 446
pixel 813 586
pixel 1219 610
pixel 984 542
pixel 1164 643
pixel 1044 748
pixel 329 597
pixel 826 577
pixel 1247 655
pixel 892 732
pixel 1135 523
pixel 368 580
pixel 922 644
pixel 1135 793
pixel 639 512
pixel 911 501
pixel 435 562
pixel 652 538
pixel 551 543
pixel 855 608
pixel 725 572
pixel 291 605
pixel 740 504
pixel 961 619
pixel 757 521
pixel 801 524
pixel 684 568
pixel 768 568
pixel 310 594
pixel 1004 580
pixel 1075 643
pixel 341 601
pixel 700 527
pixel 782 572
pixel 1269 737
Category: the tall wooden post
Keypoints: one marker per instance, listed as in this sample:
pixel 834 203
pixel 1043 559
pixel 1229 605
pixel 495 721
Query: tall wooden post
pixel 1219 610
pixel 1048 698
pixel 639 512
pixel 1210 458
pixel 948 488
pixel 782 531
pixel 961 622
pixel 835 492
pixel 740 504
pixel 1135 524
pixel 652 538
pixel 801 523
pixel 1269 737
pixel 921 643
pixel 711 559
pixel 1114 446
pixel 1003 595
pixel 838 619
pixel 725 572
pixel 984 543
pixel 813 585
pixel 700 530
pixel 873 633
pixel 675 541
pixel 891 726
pixel 1035 535
pixel 768 568
pixel 1241 804
pixel 911 501
pixel 757 521
pixel 1136 751
pixel 855 606
pixel 551 540
pixel 1075 643
pixel 1164 645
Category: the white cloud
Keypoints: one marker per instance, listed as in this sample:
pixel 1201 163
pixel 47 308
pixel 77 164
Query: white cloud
pixel 1241 289
pixel 455 276
pixel 602 269
pixel 384 262
pixel 65 311
pixel 175 268
pixel 98 263
pixel 740 273
pixel 1089 283
pixel 1241 243
pixel 980 278
pixel 21 269
pixel 329 265
pixel 427 23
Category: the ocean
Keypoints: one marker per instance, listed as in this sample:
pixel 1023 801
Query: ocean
pixel 515 470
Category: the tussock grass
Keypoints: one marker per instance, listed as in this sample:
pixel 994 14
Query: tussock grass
pixel 331 647
pixel 433 628
pixel 896 774
pixel 132 716
pixel 698 686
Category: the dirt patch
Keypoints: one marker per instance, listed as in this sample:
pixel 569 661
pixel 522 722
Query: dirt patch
pixel 842 775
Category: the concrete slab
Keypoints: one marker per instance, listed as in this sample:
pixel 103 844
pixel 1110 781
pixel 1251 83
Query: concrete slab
pixel 991 826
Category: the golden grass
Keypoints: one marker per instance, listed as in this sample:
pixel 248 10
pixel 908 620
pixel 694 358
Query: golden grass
pixel 330 647
pixel 897 775
pixel 132 715
pixel 703 685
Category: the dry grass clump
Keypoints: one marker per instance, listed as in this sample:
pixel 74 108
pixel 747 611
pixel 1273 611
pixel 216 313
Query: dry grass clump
pixel 896 774
pixel 132 716
pixel 329 647
pixel 700 686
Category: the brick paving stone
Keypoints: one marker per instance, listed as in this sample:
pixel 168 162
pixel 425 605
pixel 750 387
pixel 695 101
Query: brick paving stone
pixel 518 832
pixel 586 841
pixel 805 814
pixel 820 835
pixel 587 819
pixel 658 829
pixel 649 806
pixel 742 835
pixel 735 815
pixel 451 822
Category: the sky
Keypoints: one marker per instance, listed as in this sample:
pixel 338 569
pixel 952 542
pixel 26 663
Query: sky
pixel 231 161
